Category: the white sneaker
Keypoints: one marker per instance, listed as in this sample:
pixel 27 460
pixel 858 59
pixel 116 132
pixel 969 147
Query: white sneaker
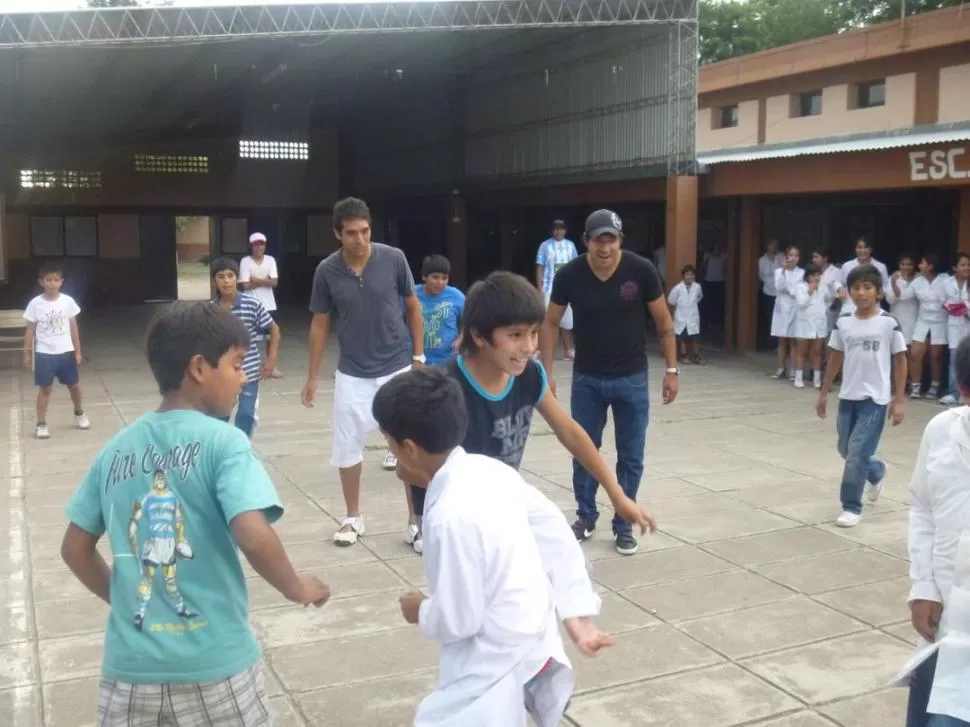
pixel 354 529
pixel 389 463
pixel 779 374
pixel 413 538
pixel 949 400
pixel 82 421
pixel 42 432
pixel 848 520
pixel 799 383
pixel 874 491
pixel 914 393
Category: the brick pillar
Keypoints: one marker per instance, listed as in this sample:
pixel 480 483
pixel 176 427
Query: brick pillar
pixel 457 241
pixel 749 243
pixel 731 277
pixel 681 223
pixel 963 221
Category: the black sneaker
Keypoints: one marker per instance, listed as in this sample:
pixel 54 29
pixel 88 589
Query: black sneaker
pixel 583 529
pixel 626 544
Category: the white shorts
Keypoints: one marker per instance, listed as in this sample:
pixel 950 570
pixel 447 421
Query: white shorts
pixel 353 419
pixel 567 317
pixel 809 330
pixel 935 331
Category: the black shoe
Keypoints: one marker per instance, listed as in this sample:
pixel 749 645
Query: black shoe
pixel 626 544
pixel 185 613
pixel 583 529
pixel 139 621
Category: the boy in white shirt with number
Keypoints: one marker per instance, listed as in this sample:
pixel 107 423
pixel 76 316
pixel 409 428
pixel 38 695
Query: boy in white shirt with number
pixel 870 343
pixel 53 342
pixel 259 277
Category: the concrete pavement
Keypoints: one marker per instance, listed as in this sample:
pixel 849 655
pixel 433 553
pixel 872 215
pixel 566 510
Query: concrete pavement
pixel 748 607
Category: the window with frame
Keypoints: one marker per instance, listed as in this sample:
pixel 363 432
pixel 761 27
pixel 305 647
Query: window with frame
pixel 72 236
pixel 59 179
pixel 275 150
pixel 871 94
pixel 807 104
pixel 726 117
pixel 172 163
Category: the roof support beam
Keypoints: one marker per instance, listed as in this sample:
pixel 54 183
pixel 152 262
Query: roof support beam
pixel 129 26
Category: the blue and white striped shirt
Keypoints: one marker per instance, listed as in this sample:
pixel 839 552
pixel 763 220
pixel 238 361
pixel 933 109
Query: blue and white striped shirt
pixel 258 321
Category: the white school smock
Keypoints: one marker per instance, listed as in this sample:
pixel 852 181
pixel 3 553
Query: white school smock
pixel 939 550
pixel 811 312
pixel 904 306
pixel 931 296
pixel 847 305
pixel 957 327
pixel 491 604
pixel 686 303
pixel 783 316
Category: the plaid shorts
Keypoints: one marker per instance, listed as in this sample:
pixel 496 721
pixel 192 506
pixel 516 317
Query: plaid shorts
pixel 239 701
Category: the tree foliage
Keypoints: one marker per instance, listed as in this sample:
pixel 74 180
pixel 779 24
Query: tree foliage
pixel 730 28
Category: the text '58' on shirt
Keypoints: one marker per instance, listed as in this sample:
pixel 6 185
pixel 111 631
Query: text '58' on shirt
pixel 868 345
pixel 609 316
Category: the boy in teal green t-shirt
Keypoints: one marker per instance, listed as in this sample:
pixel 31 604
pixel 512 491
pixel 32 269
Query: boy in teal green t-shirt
pixel 174 493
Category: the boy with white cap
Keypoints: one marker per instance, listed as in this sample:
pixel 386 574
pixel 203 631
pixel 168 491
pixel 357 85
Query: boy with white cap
pixel 259 277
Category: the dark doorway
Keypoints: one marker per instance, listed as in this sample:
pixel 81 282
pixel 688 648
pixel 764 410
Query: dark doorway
pixel 159 268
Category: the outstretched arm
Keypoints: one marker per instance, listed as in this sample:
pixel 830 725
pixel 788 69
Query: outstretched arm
pixel 577 442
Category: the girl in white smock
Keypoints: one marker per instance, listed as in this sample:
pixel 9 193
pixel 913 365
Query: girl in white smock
pixel 929 332
pixel 685 299
pixel 957 305
pixel 901 297
pixel 787 279
pixel 810 328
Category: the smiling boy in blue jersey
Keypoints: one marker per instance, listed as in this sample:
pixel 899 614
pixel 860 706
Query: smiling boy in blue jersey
pixel 503 386
pixel 442 305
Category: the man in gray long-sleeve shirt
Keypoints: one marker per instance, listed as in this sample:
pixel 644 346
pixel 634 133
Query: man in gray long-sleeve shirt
pixel 358 289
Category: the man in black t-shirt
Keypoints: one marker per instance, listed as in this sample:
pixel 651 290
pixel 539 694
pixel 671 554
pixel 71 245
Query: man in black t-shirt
pixel 611 291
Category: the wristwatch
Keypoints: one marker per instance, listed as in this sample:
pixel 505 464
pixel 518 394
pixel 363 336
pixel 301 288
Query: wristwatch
pixel 419 359
pixel 675 371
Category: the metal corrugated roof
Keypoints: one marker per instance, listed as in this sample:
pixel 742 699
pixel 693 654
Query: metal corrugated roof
pixel 840 145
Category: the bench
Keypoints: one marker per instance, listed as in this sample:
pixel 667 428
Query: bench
pixel 12 328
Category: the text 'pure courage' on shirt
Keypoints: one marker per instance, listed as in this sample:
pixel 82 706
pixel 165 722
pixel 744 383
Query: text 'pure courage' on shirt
pixel 164 491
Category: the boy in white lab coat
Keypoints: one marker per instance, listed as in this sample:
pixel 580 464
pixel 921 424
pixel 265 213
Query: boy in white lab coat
pixel 939 550
pixel 491 605
pixel 685 300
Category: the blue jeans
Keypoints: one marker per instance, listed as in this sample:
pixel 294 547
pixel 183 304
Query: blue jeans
pixel 859 426
pixel 919 699
pixel 591 398
pixel 246 408
pixel 951 380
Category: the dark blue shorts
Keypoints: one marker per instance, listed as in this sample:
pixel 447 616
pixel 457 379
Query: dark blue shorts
pixel 62 366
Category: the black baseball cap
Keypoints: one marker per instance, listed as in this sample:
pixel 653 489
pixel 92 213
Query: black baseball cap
pixel 558 223
pixel 603 222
